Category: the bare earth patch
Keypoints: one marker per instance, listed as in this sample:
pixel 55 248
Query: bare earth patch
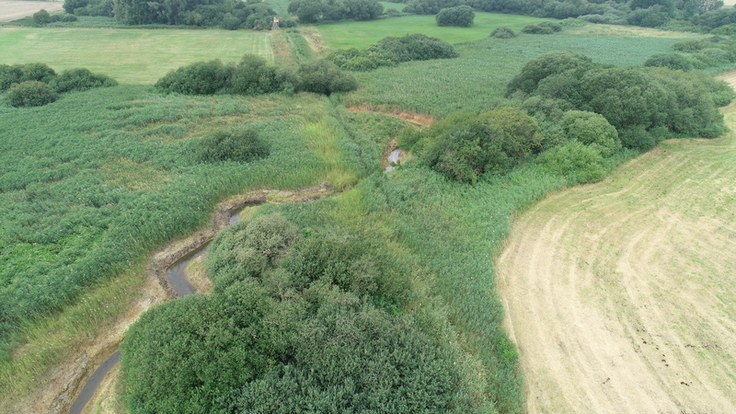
pixel 621 295
pixel 13 10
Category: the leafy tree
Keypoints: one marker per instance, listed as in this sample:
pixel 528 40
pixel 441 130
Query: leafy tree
pixel 37 72
pixel 460 16
pixel 253 76
pixel 242 145
pixel 430 6
pixel 30 93
pixel 593 130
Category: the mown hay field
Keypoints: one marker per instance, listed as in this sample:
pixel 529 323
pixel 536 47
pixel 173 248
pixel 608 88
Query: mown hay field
pixel 619 295
pixel 140 56
pixel 11 10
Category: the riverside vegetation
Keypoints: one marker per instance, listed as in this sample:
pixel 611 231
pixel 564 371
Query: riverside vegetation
pixel 392 278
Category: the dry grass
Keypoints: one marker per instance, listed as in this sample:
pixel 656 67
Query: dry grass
pixel 620 294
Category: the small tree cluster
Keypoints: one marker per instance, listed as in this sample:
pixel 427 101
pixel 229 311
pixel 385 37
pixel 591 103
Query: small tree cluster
pixel 597 110
pixel 391 51
pixel 21 83
pixel 294 324
pixel 228 14
pixel 254 76
pixel 313 11
pixel 460 16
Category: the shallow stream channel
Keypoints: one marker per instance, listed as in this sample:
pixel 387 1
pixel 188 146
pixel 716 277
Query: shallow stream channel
pixel 174 278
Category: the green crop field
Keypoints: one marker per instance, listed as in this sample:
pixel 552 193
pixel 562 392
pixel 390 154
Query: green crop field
pixel 362 34
pixel 139 56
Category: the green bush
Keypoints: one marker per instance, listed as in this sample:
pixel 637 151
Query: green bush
pixel 323 76
pixel 199 78
pixel 9 75
pixel 79 80
pixel 460 16
pixel 576 161
pixel 253 76
pixel 37 72
pixel 503 32
pixel 544 66
pixel 41 17
pixel 542 28
pixel 241 145
pixel 673 61
pixel 593 130
pixel 30 93
pixel 492 142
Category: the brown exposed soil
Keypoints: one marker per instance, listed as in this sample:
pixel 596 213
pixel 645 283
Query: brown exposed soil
pixel 67 379
pixel 13 10
pixel 620 295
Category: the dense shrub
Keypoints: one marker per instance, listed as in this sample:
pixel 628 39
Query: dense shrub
pixel 644 105
pixel 576 161
pixel 390 51
pixel 673 61
pixel 460 16
pixel 312 11
pixel 228 14
pixel 503 32
pixel 9 75
pixel 430 6
pixel 323 76
pixel 30 93
pixel 79 80
pixel 465 147
pixel 199 78
pixel 287 315
pixel 41 17
pixel 37 72
pixel 542 28
pixel 592 130
pixel 240 145
pixel 253 76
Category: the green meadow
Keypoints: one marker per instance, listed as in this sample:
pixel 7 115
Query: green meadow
pixel 362 34
pixel 137 57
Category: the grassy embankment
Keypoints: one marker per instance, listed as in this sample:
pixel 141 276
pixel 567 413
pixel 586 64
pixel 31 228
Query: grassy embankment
pixel 93 182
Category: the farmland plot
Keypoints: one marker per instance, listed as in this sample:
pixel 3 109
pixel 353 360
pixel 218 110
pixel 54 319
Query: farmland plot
pixel 12 10
pixel 620 295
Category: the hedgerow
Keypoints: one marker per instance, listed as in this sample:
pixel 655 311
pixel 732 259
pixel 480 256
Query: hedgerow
pixel 253 76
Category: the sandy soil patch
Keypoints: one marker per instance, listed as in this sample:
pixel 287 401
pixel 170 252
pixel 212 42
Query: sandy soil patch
pixel 13 10
pixel 620 295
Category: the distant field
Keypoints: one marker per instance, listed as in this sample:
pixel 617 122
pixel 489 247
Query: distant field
pixel 131 56
pixel 11 10
pixel 362 34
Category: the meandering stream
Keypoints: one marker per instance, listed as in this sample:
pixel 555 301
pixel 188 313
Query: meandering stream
pixel 176 283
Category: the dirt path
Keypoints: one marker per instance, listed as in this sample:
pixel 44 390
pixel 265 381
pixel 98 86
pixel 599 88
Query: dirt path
pixel 621 295
pixel 13 10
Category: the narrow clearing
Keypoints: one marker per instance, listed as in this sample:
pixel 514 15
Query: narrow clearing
pixel 13 10
pixel 621 295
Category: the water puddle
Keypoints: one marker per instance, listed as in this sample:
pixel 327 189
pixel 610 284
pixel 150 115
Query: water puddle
pixel 393 159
